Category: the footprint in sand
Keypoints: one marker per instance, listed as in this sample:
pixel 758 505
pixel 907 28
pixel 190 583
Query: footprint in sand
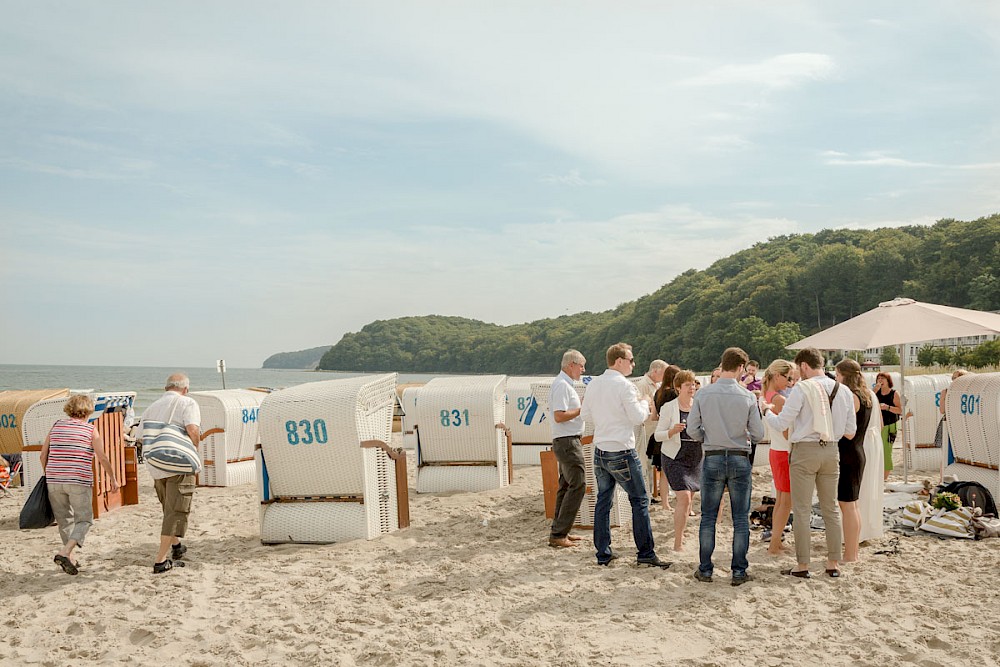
pixel 141 637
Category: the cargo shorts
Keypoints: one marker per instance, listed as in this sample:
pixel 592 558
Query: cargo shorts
pixel 175 494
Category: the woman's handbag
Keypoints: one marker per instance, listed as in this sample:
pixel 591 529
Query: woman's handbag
pixel 168 448
pixel 37 511
pixel 939 434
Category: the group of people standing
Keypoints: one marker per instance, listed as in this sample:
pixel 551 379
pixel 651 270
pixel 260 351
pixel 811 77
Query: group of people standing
pixel 67 459
pixel 815 423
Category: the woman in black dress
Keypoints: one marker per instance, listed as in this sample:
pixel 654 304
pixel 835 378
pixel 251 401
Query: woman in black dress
pixel 852 457
pixel 683 466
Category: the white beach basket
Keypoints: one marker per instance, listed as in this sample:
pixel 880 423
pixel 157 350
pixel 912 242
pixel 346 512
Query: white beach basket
pixel 229 435
pixel 462 441
pixel 325 471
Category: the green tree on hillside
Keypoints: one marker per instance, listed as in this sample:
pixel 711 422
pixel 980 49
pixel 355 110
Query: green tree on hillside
pixel 762 298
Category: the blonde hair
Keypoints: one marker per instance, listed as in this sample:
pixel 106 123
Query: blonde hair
pixel 774 369
pixel 79 406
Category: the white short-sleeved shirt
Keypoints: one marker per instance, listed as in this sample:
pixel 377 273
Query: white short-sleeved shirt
pixel 187 413
pixel 563 397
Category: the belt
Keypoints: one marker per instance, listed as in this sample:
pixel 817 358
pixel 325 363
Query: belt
pixel 729 452
pixel 567 437
pixel 821 443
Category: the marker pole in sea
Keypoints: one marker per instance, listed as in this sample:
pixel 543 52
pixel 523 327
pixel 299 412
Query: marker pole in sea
pixel 220 366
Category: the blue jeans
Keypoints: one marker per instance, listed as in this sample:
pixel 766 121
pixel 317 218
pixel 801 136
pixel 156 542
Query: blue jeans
pixel 718 472
pixel 621 468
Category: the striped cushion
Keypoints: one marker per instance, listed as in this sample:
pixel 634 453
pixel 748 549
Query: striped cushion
pixel 168 448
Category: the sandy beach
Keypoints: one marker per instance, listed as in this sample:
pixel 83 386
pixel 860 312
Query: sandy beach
pixel 472 582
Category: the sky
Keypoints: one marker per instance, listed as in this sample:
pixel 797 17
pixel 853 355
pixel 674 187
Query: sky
pixel 187 181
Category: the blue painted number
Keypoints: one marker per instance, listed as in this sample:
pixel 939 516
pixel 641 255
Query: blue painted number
pixel 250 415
pixel 454 418
pixel 8 421
pixel 314 431
pixel 971 404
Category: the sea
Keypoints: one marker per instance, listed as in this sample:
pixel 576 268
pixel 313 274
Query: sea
pixel 147 381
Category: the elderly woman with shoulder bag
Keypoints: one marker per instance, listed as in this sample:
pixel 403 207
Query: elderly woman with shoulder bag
pixel 68 463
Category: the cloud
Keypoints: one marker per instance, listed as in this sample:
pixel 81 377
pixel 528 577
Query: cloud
pixel 879 159
pixel 310 171
pixel 782 71
pixel 726 143
pixel 68 172
pixel 573 178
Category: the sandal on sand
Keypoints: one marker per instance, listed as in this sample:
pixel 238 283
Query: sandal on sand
pixel 160 568
pixel 66 564
pixel 833 572
pixel 804 574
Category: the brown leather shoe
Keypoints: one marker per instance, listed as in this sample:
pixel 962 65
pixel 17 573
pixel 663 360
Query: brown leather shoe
pixel 561 542
pixel 574 538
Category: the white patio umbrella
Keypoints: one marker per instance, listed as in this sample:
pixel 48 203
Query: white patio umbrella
pixel 901 322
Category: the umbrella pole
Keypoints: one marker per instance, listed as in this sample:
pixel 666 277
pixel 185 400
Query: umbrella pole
pixel 902 414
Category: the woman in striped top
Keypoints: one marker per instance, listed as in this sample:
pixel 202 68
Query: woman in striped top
pixel 68 464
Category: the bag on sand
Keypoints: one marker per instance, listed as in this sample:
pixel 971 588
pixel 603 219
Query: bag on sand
pixel 914 514
pixel 951 523
pixel 985 527
pixel 972 494
pixel 37 511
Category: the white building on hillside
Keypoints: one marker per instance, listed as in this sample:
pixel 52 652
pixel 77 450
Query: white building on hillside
pixel 874 354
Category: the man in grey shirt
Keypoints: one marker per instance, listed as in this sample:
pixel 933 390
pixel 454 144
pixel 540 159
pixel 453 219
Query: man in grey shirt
pixel 725 418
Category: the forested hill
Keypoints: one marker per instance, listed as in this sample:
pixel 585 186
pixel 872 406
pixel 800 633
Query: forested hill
pixel 760 299
pixel 302 359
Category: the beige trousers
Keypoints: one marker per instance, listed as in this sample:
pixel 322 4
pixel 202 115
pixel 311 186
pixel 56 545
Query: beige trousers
pixel 812 465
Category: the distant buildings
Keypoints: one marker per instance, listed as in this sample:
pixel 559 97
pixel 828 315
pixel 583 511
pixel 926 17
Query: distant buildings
pixel 874 354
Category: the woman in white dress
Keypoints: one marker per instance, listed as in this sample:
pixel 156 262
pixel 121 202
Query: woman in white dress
pixel 870 501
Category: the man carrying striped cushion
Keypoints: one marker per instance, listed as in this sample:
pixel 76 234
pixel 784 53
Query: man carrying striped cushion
pixel 175 492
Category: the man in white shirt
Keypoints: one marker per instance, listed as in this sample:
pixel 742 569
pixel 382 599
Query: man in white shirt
pixel 567 427
pixel 612 404
pixel 174 492
pixel 814 462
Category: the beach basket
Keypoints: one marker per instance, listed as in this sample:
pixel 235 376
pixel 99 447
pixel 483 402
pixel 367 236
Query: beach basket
pixel 463 443
pixel 111 409
pixel 530 426
pixel 14 405
pixel 229 435
pixel 973 407
pixel 585 515
pixel 408 405
pixel 325 472
pixel 923 396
